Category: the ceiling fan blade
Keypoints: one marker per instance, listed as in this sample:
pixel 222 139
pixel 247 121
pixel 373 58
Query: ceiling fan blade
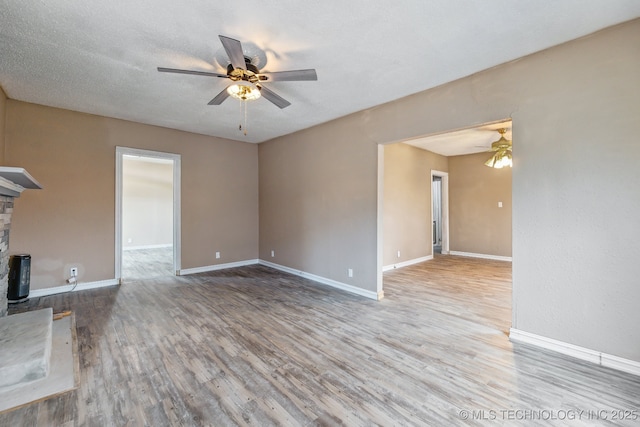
pixel 273 97
pixel 197 73
pixel 219 99
pixel 294 75
pixel 234 50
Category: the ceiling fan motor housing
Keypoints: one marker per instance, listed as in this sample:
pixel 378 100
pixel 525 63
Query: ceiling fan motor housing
pixel 249 74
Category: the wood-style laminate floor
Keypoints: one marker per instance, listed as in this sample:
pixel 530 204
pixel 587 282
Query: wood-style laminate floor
pixel 147 263
pixel 254 346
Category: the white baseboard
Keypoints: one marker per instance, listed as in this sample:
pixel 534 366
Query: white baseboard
pixel 485 256
pixel 593 356
pixel 325 281
pixel 67 288
pixel 407 263
pixel 624 365
pixel 207 268
pixel 134 248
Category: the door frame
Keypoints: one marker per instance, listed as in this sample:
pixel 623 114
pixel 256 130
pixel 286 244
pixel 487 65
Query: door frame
pixel 120 153
pixel 445 208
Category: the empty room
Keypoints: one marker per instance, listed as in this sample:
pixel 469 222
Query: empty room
pixel 331 214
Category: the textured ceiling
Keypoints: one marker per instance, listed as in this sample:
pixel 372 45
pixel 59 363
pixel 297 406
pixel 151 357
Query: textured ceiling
pixel 466 141
pixel 100 57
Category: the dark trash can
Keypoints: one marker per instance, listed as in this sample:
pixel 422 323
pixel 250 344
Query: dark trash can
pixel 19 278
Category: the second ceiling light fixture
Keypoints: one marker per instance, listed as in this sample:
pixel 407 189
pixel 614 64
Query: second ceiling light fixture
pixel 502 156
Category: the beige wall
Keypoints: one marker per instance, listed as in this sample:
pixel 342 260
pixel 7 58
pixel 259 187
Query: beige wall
pixel 575 114
pixel 3 110
pixel 71 222
pixel 407 202
pixel 318 202
pixel 147 203
pixel 476 223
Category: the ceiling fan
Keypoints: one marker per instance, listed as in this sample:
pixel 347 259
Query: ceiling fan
pixel 247 78
pixel 502 149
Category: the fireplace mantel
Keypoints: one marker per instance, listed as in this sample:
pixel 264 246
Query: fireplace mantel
pixel 13 181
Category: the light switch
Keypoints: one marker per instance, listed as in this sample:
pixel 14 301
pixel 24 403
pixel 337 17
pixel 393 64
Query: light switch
pixel 499 204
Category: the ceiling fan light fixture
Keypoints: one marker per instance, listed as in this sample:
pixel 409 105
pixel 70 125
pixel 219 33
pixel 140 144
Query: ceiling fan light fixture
pixel 502 156
pixel 500 160
pixel 244 91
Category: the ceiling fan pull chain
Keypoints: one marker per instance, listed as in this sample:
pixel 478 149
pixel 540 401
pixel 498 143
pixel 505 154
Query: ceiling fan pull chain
pixel 245 117
pixel 240 125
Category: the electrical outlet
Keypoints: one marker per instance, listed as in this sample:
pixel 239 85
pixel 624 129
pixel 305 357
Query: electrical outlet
pixel 273 253
pixel 398 254
pixel 350 272
pixel 73 271
pixel 217 255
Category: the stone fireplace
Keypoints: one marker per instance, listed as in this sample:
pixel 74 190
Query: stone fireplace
pixel 25 338
pixel 13 181
pixel 6 209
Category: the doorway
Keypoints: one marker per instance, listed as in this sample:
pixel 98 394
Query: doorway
pixel 440 211
pixel 467 149
pixel 436 213
pixel 147 214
